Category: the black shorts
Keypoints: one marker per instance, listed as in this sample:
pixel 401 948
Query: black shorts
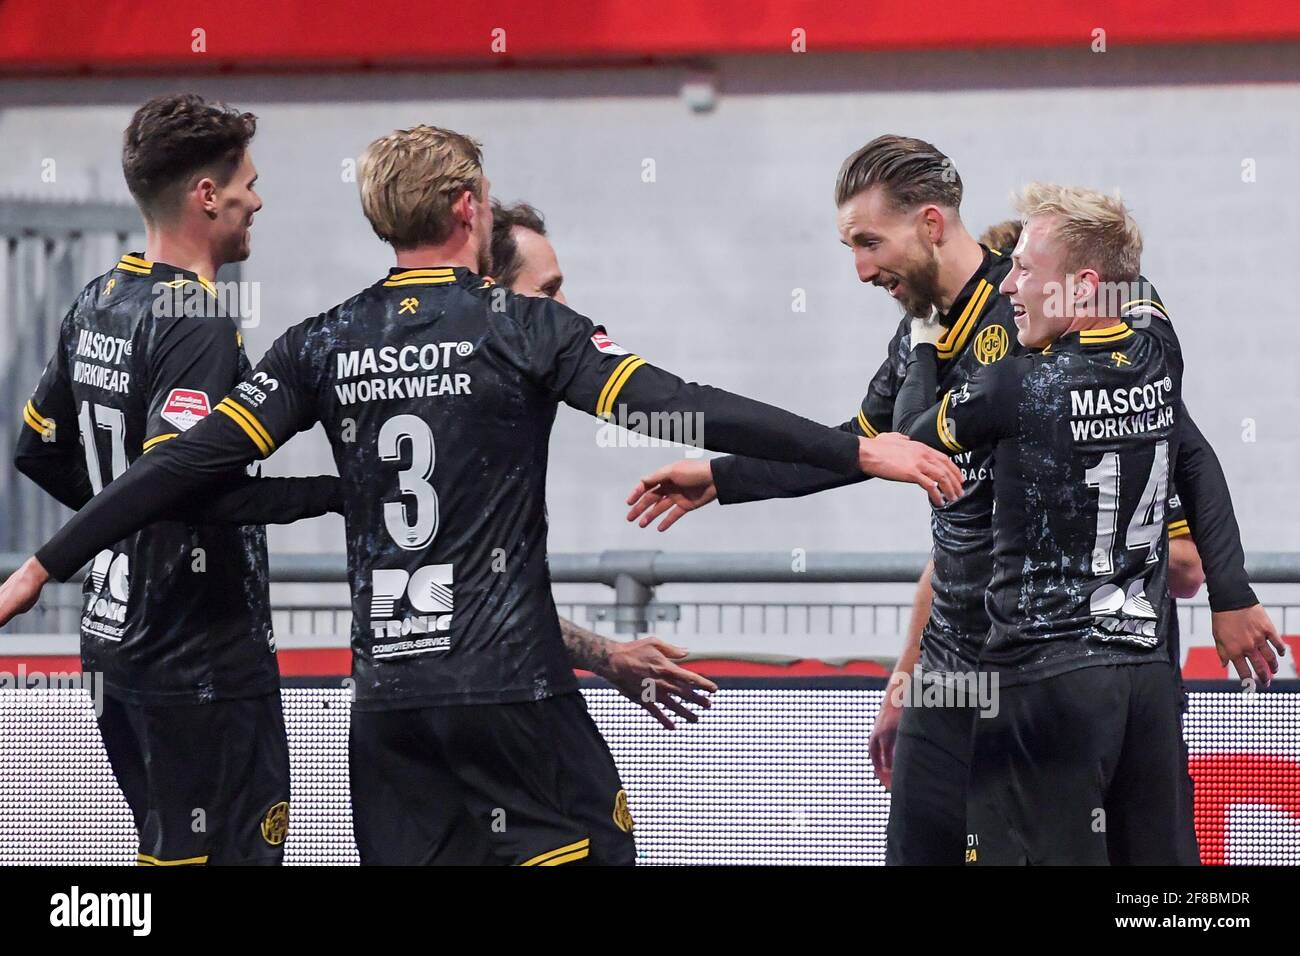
pixel 927 802
pixel 529 783
pixel 1086 768
pixel 206 783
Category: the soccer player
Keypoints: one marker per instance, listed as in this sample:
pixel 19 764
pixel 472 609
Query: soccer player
pixel 469 740
pixel 524 261
pixel 898 201
pixel 1081 762
pixel 177 616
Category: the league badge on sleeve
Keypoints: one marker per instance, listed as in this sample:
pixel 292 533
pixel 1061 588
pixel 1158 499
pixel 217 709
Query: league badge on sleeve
pixel 185 407
pixel 605 344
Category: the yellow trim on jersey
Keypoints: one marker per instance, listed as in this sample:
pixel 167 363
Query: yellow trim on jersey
pixel 956 337
pixel 564 854
pixel 144 859
pixel 866 425
pixel 406 282
pixel 615 383
pixel 157 440
pixel 1112 333
pixel 207 285
pixel 251 426
pixel 941 424
pixel 126 266
pixel 1151 302
pixel 36 421
pixel 420 277
pixel 130 263
pixel 1179 528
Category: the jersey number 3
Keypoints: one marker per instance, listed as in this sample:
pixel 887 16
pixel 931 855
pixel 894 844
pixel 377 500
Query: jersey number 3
pixel 412 523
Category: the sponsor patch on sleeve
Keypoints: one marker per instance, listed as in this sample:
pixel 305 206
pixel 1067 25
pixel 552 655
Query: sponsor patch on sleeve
pixel 185 407
pixel 607 345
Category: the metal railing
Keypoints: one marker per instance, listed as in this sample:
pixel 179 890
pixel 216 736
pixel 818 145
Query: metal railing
pixel 633 577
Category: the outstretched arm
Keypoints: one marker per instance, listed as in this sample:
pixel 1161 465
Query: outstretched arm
pixel 248 424
pixel 247 500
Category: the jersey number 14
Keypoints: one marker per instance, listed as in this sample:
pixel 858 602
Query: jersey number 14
pixel 1147 522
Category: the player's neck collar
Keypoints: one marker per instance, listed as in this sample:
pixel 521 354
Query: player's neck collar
pixel 1106 335
pixel 427 275
pixel 971 303
pixel 170 275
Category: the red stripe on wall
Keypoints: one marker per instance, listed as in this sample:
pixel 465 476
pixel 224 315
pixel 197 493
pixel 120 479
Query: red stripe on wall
pixel 152 36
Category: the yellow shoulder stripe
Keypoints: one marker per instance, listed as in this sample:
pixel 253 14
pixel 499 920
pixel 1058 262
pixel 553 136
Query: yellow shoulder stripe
pixel 866 425
pixel 945 433
pixel 126 266
pixel 43 426
pixel 614 384
pixel 158 440
pixel 564 854
pixel 251 426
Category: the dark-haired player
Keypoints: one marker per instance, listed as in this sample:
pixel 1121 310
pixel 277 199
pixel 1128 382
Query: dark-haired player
pixel 437 391
pixel 524 261
pixel 176 616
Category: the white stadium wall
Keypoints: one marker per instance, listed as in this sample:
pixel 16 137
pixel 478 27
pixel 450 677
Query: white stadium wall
pixel 698 269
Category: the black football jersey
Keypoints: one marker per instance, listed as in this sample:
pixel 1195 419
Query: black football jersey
pixel 980 331
pixel 1083 434
pixel 179 611
pixel 437 392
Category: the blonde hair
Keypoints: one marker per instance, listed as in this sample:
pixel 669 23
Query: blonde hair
pixel 1094 230
pixel 411 178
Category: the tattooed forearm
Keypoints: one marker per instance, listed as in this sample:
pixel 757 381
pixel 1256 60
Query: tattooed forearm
pixel 587 649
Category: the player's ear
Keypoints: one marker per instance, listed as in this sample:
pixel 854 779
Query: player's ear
pixel 933 223
pixel 1086 284
pixel 204 192
pixel 464 207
